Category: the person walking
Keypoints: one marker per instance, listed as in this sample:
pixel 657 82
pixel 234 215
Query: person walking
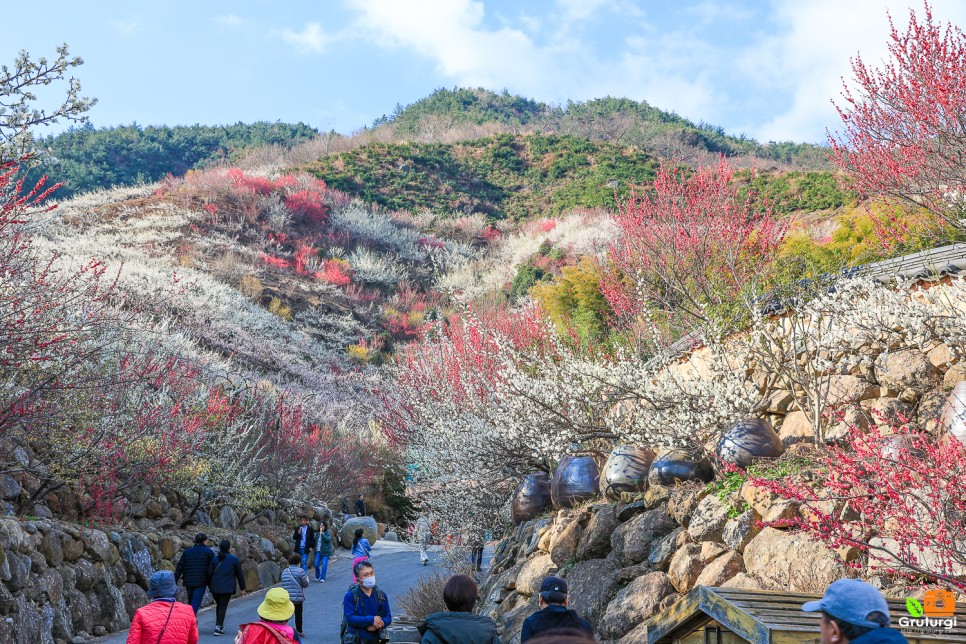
pixel 361 506
pixel 360 550
pixel 460 625
pixel 365 608
pixel 163 621
pixel 553 613
pixel 192 570
pixel 294 579
pixel 275 611
pixel 476 555
pixel 423 533
pixel 853 611
pixel 323 550
pixel 304 540
pixel 226 576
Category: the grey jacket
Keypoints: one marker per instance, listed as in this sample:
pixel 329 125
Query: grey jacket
pixel 294 580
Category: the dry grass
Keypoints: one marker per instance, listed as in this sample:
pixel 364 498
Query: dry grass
pixel 426 596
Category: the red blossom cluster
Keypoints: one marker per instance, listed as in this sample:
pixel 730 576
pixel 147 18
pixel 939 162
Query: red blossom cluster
pixel 896 494
pixel 687 244
pixel 309 205
pixel 904 124
pixel 336 272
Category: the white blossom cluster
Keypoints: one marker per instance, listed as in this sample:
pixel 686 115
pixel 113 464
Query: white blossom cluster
pixel 545 400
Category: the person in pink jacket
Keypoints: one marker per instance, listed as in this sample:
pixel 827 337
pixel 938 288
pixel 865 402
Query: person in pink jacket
pixel 163 621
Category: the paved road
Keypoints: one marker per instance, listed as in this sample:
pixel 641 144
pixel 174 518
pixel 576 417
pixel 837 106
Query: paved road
pixel 397 569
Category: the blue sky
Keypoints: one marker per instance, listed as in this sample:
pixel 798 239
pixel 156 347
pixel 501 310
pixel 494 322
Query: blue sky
pixel 765 69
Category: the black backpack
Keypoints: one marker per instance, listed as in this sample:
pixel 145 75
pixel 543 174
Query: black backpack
pixel 357 597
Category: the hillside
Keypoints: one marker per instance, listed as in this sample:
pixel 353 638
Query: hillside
pixel 621 121
pixel 88 158
pixel 504 177
pixel 522 177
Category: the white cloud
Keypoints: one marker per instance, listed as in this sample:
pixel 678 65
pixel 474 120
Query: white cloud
pixel 126 27
pixel 810 58
pixel 311 39
pixel 230 20
pixel 451 33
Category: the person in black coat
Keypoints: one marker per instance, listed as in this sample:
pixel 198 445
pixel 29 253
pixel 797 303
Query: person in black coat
pixel 226 576
pixel 192 569
pixel 304 540
pixel 360 506
pixel 554 613
pixel 460 625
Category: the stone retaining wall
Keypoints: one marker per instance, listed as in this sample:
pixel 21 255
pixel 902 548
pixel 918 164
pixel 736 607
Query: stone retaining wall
pixel 627 562
pixel 63 583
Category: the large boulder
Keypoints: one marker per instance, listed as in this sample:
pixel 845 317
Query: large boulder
pixel 269 573
pixel 136 557
pixel 638 602
pixel 796 428
pixel 686 565
pixel 742 529
pixel 848 390
pixel 907 370
pixel 709 519
pixel 721 569
pixel 772 508
pixel 595 542
pixel 97 545
pixel 348 530
pixel 563 547
pixel 592 584
pixel 887 413
pixel 684 500
pixel 250 571
pixel 532 573
pixel 631 542
pixel 791 561
pixel 513 620
pixel 663 549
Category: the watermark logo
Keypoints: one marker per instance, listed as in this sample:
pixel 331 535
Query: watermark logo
pixel 935 614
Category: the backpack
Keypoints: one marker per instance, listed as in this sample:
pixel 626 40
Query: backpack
pixel 352 638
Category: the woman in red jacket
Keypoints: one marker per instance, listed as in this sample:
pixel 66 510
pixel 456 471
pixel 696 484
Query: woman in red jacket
pixel 163 621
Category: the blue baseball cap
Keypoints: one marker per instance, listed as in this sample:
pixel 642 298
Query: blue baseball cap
pixel 852 601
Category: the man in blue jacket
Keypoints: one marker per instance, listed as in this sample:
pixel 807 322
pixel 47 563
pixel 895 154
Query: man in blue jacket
pixel 365 608
pixel 854 612
pixel 192 568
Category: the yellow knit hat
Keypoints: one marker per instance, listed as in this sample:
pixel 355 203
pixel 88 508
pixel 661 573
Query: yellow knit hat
pixel 276 607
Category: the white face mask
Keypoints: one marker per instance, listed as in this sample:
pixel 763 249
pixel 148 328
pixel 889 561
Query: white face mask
pixel 369 582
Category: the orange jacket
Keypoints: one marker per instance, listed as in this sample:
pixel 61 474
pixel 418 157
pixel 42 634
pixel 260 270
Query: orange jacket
pixel 182 627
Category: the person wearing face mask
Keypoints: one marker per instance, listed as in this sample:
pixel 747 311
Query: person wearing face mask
pixel 365 608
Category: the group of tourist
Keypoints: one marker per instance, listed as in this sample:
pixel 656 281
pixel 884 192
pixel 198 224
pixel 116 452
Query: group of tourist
pixel 851 610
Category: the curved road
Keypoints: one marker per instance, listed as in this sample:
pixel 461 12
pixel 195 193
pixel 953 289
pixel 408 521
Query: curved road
pixel 397 569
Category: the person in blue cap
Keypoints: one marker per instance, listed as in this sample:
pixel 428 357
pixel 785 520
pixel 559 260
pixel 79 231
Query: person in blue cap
pixel 853 611
pixel 554 613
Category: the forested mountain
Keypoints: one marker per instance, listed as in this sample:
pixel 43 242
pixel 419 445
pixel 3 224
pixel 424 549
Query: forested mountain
pixel 620 121
pixel 88 158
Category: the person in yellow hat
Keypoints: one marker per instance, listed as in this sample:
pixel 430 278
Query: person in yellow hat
pixel 275 611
